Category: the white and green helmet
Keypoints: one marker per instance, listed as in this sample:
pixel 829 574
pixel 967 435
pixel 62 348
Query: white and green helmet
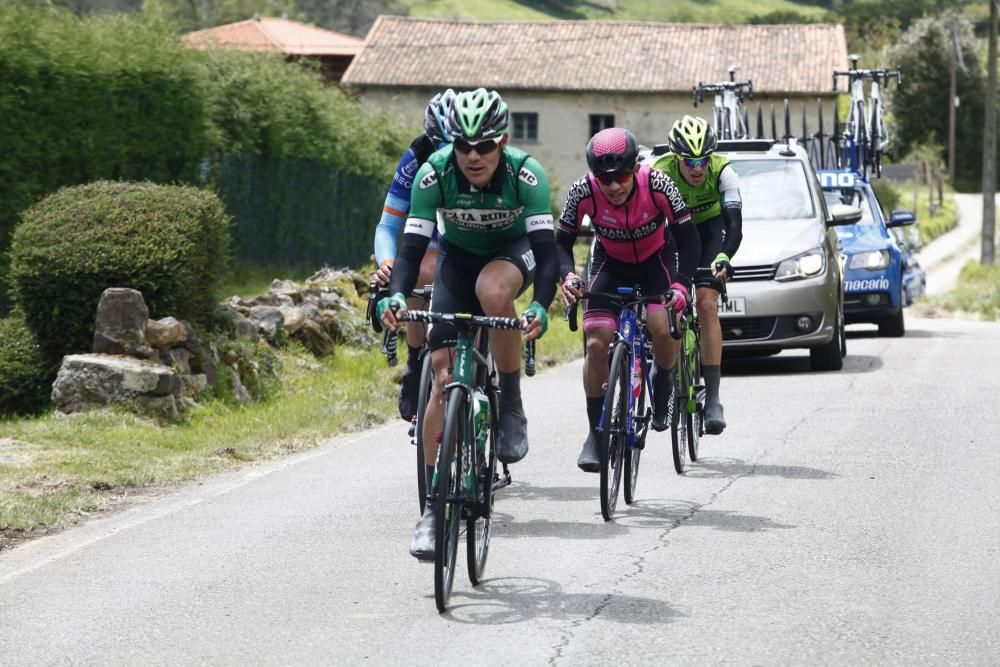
pixel 478 114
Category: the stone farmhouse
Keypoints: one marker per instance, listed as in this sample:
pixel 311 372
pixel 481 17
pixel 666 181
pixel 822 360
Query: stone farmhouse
pixel 566 80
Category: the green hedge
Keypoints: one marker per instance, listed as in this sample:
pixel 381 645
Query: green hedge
pixel 168 242
pixel 26 374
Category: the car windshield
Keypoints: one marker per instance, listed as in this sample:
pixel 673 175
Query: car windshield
pixel 851 197
pixel 774 189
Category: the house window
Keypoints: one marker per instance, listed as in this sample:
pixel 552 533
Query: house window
pixel 600 122
pixel 525 126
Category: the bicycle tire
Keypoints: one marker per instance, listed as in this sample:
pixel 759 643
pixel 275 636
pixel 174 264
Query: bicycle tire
pixel 447 492
pixel 479 528
pixel 876 139
pixel 788 123
pixel 696 417
pixel 423 395
pixel 727 124
pixel 678 420
pixel 634 454
pixel 612 443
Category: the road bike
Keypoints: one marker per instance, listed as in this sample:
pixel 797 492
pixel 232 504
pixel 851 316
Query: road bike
pixel 729 118
pixel 626 414
pixel 389 346
pixel 465 475
pixel 687 417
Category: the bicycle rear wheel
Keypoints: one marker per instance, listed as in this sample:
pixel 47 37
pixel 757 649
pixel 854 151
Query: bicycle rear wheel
pixel 478 528
pixel 447 504
pixel 423 395
pixel 613 435
pixel 634 454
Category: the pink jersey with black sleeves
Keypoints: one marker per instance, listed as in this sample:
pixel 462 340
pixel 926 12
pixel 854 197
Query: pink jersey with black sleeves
pixel 633 231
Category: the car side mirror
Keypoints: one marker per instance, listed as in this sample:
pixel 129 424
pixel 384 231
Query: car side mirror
pixel 842 214
pixel 901 218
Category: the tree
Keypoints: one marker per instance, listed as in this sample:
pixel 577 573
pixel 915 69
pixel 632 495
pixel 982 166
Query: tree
pixel 920 105
pixel 353 17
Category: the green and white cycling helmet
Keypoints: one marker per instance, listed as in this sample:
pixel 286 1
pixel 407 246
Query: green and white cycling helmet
pixel 478 114
pixel 692 137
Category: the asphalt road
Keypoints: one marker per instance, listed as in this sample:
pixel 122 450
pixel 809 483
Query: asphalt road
pixel 844 518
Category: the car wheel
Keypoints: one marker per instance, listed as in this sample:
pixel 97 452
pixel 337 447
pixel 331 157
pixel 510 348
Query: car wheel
pixel 893 326
pixel 829 356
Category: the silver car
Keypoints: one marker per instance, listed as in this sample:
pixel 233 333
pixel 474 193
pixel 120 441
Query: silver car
pixel 787 291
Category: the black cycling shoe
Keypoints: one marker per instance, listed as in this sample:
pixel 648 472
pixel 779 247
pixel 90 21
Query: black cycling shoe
pixel 590 458
pixel 513 445
pixel 408 391
pixel 715 423
pixel 663 398
pixel 422 545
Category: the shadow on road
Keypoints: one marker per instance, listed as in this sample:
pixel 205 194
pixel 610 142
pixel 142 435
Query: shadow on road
pixel 518 599
pixel 664 511
pixel 717 468
pixel 795 365
pixel 523 491
pixel 910 333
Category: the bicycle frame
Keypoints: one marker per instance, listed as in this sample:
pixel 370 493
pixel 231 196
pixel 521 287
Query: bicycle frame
pixel 728 116
pixel 632 332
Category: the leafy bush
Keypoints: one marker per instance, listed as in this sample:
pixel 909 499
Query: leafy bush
pixel 168 242
pixel 888 195
pixel 25 373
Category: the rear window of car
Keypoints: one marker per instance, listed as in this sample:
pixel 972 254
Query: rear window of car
pixel 774 189
pixel 851 197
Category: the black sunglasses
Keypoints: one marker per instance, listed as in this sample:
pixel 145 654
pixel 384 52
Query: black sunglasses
pixel 484 147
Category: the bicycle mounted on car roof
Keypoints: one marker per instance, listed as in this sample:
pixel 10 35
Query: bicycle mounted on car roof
pixel 729 118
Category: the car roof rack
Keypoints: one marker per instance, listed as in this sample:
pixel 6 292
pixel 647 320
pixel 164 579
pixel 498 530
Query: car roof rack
pixel 746 145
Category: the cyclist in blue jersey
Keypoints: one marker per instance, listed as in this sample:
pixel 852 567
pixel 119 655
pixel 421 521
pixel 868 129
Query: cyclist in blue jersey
pixel 394 213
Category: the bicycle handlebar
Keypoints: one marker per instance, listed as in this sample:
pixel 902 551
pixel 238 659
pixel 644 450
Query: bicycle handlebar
pixel 698 92
pixel 882 76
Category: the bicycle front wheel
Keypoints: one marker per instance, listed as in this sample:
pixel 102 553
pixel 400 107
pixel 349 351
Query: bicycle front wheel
pixel 679 419
pixel 447 500
pixel 614 432
pixel 423 395
pixel 696 404
pixel 479 526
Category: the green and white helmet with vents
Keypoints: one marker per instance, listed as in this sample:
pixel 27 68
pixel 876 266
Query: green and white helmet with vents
pixel 478 114
pixel 692 137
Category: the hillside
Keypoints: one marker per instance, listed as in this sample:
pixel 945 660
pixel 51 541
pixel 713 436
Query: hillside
pixel 701 11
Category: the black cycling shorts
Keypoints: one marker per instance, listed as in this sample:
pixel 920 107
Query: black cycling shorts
pixel 455 282
pixel 713 234
pixel 607 274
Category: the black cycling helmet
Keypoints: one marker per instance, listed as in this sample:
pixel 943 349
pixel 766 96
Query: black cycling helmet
pixel 612 151
pixel 436 117
pixel 692 137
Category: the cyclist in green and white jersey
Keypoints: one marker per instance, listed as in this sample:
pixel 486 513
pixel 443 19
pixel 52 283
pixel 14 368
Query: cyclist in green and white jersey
pixel 711 190
pixel 490 204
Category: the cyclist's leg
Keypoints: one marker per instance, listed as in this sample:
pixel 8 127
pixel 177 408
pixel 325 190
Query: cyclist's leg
pixel 600 320
pixel 707 295
pixel 502 279
pixel 415 334
pixel 657 281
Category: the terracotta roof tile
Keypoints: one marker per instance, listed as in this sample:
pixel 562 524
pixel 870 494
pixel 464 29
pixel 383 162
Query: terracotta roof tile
pixel 597 55
pixel 274 34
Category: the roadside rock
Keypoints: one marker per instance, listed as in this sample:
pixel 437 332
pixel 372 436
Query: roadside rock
pixel 90 381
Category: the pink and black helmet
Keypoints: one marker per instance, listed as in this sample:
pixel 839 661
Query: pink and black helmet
pixel 611 152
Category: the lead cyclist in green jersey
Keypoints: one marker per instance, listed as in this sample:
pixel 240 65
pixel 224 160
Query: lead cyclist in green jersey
pixel 490 204
pixel 710 188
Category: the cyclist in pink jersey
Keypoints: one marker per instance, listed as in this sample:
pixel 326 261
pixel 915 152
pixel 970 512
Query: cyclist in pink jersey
pixel 644 237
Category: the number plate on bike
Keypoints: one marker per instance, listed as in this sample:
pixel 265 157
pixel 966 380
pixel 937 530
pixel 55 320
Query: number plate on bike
pixel 736 305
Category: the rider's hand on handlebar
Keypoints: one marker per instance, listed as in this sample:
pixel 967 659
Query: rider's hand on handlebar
pixel 678 297
pixel 572 288
pixel 383 273
pixel 721 268
pixel 387 309
pixel 538 325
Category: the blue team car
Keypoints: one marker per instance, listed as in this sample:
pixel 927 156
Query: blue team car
pixel 874 264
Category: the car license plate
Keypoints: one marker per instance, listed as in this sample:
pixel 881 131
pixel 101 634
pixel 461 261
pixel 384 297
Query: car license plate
pixel 736 305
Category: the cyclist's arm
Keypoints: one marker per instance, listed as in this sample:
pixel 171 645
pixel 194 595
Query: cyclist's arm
pixel 535 195
pixel 732 210
pixel 678 225
pixel 418 231
pixel 397 205
pixel 577 205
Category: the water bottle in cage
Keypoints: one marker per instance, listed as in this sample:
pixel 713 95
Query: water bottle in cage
pixel 481 419
pixel 636 376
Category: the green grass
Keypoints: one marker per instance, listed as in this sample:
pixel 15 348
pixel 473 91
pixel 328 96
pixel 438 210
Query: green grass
pixel 55 471
pixel 686 11
pixel 977 294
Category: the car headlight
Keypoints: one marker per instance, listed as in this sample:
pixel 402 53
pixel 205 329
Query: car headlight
pixel 806 265
pixel 874 260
